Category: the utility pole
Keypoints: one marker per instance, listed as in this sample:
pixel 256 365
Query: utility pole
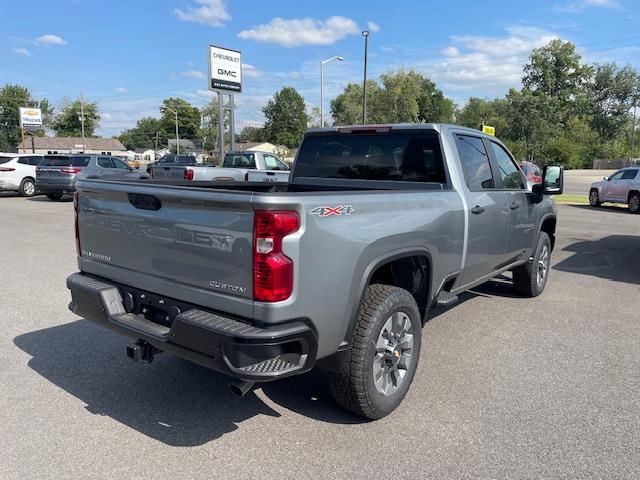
pixel 175 112
pixel 365 34
pixel 82 120
pixel 156 143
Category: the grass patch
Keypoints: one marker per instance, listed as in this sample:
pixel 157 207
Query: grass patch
pixel 572 199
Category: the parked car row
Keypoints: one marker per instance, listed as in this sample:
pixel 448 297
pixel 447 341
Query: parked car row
pixel 621 187
pixel 56 175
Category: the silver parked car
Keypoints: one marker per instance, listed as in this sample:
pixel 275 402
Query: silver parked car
pixel 57 174
pixel 621 187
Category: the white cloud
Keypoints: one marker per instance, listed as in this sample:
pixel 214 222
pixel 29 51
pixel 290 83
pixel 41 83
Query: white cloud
pixel 251 71
pixel 485 64
pixel 579 5
pixel 21 51
pixel 302 31
pixel 122 90
pixel 373 27
pixel 210 12
pixel 201 92
pixel 49 39
pixel 193 74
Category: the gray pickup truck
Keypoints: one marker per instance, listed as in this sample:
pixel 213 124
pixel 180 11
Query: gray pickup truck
pixel 336 268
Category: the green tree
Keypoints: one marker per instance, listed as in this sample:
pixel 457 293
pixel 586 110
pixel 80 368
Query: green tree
pixel 68 122
pixel 12 97
pixel 188 118
pixel 286 118
pixel 555 72
pixel 479 111
pixel 251 134
pixel 346 108
pixel 611 95
pixel 143 135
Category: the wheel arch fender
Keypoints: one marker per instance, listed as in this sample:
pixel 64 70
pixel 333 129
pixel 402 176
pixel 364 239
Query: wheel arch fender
pixel 363 275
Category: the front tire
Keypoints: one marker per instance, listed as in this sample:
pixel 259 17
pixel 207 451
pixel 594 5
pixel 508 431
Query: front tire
pixel 634 203
pixel 594 198
pixel 27 188
pixel 530 279
pixel 378 370
pixel 54 197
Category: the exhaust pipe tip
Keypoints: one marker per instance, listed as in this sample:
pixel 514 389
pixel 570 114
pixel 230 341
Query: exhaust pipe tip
pixel 240 387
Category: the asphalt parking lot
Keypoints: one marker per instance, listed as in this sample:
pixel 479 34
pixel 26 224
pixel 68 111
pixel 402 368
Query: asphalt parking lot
pixel 506 387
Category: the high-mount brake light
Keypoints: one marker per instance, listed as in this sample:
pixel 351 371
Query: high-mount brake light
pixel 365 129
pixel 272 269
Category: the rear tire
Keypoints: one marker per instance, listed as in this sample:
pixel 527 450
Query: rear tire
pixel 378 370
pixel 54 197
pixel 27 187
pixel 594 198
pixel 530 279
pixel 634 203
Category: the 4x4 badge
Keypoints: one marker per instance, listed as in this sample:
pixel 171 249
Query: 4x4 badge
pixel 328 211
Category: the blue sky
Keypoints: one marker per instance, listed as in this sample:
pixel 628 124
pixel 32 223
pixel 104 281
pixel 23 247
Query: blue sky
pixel 128 56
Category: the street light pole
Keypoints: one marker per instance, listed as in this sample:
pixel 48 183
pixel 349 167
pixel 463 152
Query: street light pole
pixel 365 34
pixel 633 133
pixel 82 120
pixel 177 139
pixel 322 85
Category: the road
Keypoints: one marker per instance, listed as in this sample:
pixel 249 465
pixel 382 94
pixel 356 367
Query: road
pixel 506 387
pixel 577 182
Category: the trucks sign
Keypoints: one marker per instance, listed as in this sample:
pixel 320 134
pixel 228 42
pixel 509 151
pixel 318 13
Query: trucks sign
pixel 225 69
pixel 30 117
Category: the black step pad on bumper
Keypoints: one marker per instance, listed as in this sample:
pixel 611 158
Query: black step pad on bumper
pixel 225 344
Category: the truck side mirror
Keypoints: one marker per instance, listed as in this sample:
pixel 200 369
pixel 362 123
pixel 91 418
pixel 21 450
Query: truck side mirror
pixel 553 180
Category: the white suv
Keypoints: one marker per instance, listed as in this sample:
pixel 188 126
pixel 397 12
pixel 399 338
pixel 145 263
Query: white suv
pixel 18 173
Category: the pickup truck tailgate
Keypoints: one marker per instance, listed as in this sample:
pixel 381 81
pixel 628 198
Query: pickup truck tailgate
pixel 193 237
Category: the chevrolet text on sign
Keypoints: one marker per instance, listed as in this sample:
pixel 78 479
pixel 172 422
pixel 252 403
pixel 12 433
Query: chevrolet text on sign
pixel 30 117
pixel 225 69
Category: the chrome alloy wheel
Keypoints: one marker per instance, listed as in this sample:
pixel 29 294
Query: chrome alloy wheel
pixel 29 188
pixel 393 355
pixel 543 265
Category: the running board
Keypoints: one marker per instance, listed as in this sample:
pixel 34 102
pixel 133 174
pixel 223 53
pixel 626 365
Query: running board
pixel 446 299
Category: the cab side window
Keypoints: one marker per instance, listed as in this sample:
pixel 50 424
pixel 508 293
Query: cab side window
pixel 105 162
pixel 629 174
pixel 475 163
pixel 509 172
pixel 119 164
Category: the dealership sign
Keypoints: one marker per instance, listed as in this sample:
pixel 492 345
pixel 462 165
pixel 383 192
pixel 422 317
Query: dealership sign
pixel 30 117
pixel 225 69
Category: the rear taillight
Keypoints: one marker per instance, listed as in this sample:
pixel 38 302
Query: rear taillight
pixel 7 169
pixel 70 170
pixel 272 269
pixel 75 221
pixel 246 177
pixel 37 170
pixel 188 174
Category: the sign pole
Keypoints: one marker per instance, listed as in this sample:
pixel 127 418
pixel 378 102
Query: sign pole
pixel 221 126
pixel 232 118
pixel 23 145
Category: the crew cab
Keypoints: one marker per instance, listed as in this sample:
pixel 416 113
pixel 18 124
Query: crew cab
pixel 622 186
pixel 338 268
pixel 241 166
pixel 18 173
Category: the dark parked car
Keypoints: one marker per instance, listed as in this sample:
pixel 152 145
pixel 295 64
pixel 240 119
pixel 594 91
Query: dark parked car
pixel 57 174
pixel 172 160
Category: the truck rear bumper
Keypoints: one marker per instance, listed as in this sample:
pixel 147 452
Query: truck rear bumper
pixel 230 346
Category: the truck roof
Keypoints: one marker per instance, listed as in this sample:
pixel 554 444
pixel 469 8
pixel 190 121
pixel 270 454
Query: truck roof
pixel 396 126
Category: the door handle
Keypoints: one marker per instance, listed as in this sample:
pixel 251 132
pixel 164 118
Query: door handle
pixel 477 210
pixel 514 205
